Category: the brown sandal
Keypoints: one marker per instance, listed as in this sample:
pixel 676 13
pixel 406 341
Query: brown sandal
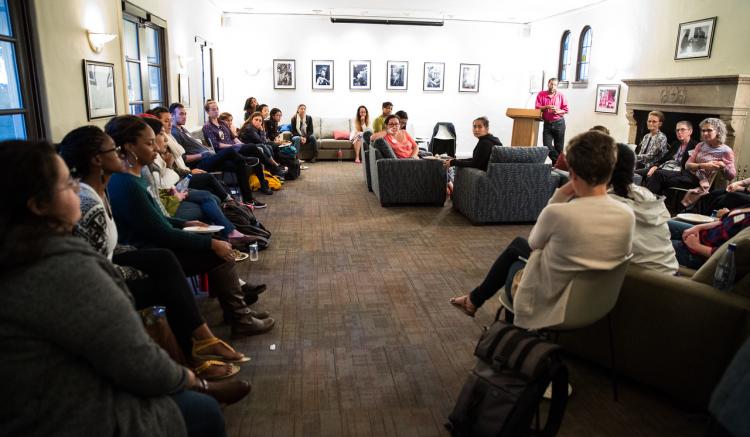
pixel 464 304
pixel 199 345
pixel 213 370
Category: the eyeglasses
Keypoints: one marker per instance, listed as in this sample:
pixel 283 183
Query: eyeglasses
pixel 394 124
pixel 114 149
pixel 707 130
pixel 72 184
pixel 682 129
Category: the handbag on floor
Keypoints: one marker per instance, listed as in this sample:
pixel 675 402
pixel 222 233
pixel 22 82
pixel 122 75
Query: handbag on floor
pixel 244 221
pixel 501 396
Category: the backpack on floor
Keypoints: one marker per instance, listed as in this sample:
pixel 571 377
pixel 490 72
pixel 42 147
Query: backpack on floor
pixel 245 221
pixel 274 183
pixel 501 396
pixel 293 166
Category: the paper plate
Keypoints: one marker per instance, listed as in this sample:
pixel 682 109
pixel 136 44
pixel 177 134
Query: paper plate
pixel 695 218
pixel 203 229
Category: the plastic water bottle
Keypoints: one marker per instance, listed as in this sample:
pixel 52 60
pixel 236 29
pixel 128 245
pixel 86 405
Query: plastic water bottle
pixel 182 186
pixel 340 155
pixel 725 271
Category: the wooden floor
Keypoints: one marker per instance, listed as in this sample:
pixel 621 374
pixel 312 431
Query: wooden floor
pixel 366 343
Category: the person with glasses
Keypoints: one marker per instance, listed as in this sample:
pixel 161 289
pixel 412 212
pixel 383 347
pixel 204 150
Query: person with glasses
pixel 679 152
pixel 709 156
pixel 401 142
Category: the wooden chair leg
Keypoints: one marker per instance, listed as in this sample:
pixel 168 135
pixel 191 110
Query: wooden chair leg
pixel 613 369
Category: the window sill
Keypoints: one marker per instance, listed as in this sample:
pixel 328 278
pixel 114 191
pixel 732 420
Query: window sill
pixel 581 84
pixel 563 84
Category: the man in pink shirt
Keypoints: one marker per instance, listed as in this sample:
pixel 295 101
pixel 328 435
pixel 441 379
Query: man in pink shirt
pixel 554 106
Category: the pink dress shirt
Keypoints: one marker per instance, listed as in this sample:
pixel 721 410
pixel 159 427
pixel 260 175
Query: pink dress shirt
pixel 557 99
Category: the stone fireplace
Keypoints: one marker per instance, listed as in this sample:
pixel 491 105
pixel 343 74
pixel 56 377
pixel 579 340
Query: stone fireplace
pixel 725 97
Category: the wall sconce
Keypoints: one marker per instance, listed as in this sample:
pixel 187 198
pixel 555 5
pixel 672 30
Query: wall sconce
pixel 97 40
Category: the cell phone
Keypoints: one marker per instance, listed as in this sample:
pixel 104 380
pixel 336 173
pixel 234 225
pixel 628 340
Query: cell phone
pixel 520 258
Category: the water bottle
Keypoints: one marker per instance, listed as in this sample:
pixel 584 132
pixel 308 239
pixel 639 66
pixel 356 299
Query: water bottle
pixel 340 155
pixel 725 271
pixel 182 186
pixel 714 213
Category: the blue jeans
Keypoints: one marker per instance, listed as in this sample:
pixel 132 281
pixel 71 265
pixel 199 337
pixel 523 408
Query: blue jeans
pixel 202 205
pixel 684 256
pixel 202 415
pixel 311 140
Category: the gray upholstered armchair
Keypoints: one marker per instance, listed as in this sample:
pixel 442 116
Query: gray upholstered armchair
pixel 405 181
pixel 515 188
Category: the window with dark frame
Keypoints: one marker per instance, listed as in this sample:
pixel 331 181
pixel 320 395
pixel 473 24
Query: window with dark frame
pixel 144 39
pixel 19 91
pixel 584 55
pixel 564 61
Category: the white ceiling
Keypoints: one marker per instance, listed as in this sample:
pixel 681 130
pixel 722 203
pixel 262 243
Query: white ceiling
pixel 510 11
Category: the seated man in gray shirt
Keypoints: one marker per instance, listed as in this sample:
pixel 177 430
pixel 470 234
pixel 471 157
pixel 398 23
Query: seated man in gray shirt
pixel 197 155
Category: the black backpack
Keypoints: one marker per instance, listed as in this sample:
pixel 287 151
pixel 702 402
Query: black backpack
pixel 502 394
pixel 293 165
pixel 245 221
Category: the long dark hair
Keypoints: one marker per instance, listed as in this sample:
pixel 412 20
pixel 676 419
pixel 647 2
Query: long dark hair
pixel 79 146
pixel 30 174
pixel 622 176
pixel 125 129
pixel 154 123
pixel 249 104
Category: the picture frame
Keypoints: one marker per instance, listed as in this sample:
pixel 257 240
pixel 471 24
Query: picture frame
pixel 99 83
pixel 468 78
pixel 434 76
pixel 607 98
pixel 183 89
pixel 322 74
pixel 284 74
pixel 397 75
pixel 695 39
pixel 359 75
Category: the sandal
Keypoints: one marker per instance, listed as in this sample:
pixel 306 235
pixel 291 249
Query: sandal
pixel 213 370
pixel 464 304
pixel 199 345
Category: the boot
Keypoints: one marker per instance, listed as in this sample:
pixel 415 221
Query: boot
pixel 226 284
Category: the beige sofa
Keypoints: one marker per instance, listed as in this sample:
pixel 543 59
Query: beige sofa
pixel 323 128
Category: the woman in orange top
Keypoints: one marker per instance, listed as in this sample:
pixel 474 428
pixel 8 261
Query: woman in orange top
pixel 401 142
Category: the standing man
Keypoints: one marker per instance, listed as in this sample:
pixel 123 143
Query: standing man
pixel 554 106
pixel 379 123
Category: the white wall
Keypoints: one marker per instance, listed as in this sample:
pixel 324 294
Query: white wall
pixel 635 39
pixel 253 42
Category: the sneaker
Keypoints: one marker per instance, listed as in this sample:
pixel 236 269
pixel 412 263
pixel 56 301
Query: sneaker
pixel 257 204
pixel 304 167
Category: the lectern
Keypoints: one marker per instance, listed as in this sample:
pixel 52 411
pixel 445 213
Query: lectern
pixel 525 126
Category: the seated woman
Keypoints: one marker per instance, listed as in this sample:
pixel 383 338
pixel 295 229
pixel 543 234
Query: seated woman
pixel 140 223
pixel 401 142
pixel 480 157
pixel 228 120
pixel 191 204
pixel 654 144
pixel 252 133
pixel 652 247
pixel 251 105
pixel 303 133
pixel 93 157
pixel 709 156
pixel 80 359
pixel 361 125
pixel 693 245
pixel 736 194
pixel 563 241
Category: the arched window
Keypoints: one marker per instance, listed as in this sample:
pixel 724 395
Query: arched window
pixel 564 62
pixel 584 55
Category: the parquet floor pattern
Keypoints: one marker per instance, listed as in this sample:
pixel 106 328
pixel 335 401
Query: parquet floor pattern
pixel 366 343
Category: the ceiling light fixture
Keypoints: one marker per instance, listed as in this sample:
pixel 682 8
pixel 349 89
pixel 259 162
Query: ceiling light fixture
pixel 387 21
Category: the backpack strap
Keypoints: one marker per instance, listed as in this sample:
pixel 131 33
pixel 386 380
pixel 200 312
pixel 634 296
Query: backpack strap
pixel 559 399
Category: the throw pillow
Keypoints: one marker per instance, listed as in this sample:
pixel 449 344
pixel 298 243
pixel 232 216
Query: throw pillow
pixel 705 274
pixel 527 155
pixel 385 150
pixel 340 135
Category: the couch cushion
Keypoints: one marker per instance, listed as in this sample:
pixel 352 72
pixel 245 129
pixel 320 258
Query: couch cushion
pixel 330 124
pixel 527 155
pixel 384 149
pixel 705 274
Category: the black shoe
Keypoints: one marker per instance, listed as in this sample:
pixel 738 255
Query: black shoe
pixel 266 191
pixel 255 289
pixel 258 314
pixel 252 326
pixel 257 204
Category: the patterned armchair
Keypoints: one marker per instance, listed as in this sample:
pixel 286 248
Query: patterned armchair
pixel 515 188
pixel 405 181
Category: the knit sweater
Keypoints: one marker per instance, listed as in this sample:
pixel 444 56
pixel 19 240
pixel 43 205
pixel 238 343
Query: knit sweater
pixel 140 221
pixel 75 354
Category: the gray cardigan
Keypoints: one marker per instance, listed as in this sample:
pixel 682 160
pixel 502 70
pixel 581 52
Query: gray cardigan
pixel 74 355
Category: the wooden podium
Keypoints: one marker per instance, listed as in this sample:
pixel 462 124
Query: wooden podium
pixel 525 126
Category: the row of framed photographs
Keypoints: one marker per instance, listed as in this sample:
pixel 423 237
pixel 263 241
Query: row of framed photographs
pixel 360 74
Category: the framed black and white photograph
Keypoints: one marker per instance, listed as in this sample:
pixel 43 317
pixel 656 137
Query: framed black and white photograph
pixel 183 89
pixel 434 75
pixel 99 80
pixel 359 75
pixel 695 38
pixel 284 74
pixel 397 75
pixel 607 98
pixel 468 78
pixel 322 75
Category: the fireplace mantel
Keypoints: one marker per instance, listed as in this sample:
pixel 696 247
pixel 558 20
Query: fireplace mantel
pixel 727 96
